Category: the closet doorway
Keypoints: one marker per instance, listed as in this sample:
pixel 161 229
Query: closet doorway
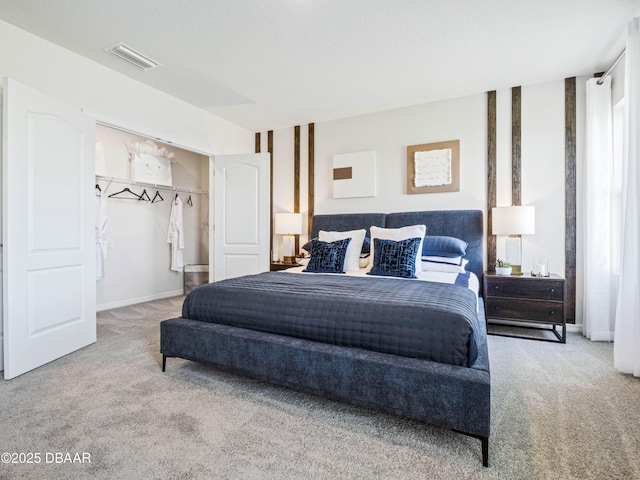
pixel 138 260
pixel 49 304
pixel 225 218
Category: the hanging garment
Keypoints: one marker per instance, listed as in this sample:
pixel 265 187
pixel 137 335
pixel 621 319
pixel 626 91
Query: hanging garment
pixel 104 240
pixel 175 234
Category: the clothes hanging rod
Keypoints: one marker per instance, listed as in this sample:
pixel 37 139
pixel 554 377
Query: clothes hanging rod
pixel 154 185
pixel 608 72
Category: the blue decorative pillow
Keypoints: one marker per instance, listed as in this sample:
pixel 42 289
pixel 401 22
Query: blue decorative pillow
pixel 443 246
pixel 395 259
pixel 327 257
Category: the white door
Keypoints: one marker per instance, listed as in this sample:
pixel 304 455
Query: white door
pixel 241 220
pixel 48 220
pixel 1 289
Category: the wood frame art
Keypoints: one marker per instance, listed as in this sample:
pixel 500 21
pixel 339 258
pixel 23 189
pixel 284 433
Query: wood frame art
pixel 453 186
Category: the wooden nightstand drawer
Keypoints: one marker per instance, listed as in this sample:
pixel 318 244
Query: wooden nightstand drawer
pixel 532 287
pixel 519 299
pixel 520 309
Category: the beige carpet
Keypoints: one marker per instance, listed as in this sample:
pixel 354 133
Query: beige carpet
pixel 559 412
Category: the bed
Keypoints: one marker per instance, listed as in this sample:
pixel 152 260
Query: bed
pixel 369 340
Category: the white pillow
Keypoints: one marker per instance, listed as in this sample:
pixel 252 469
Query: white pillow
pixel 403 233
pixel 352 259
pixel 450 260
pixel 430 266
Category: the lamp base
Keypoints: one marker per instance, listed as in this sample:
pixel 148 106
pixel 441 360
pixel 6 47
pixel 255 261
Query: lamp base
pixel 288 254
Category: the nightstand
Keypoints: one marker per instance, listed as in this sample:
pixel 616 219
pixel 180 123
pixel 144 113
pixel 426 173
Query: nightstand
pixel 277 266
pixel 525 299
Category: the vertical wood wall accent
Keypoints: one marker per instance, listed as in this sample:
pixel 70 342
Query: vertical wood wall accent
pixel 257 143
pixel 270 150
pixel 311 171
pixel 491 176
pixel 516 142
pixel 570 197
pixel 296 179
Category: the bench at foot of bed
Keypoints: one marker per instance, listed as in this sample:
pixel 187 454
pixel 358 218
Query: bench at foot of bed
pixel 450 396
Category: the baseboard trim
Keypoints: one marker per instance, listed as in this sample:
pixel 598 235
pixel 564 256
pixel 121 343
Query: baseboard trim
pixel 574 328
pixel 1 352
pixel 134 301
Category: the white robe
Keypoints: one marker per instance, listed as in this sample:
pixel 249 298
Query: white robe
pixel 175 235
pixel 104 240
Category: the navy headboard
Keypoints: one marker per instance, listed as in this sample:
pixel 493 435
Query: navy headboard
pixel 342 222
pixel 464 224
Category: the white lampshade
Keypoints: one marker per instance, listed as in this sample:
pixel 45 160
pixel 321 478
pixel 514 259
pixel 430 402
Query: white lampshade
pixel 288 223
pixel 514 220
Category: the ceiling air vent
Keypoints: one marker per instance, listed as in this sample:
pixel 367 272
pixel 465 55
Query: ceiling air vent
pixel 130 55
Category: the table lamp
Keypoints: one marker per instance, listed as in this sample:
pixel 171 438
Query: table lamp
pixel 288 224
pixel 513 221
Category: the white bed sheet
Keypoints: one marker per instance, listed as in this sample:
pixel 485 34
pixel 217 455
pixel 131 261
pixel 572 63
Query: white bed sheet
pixel 440 277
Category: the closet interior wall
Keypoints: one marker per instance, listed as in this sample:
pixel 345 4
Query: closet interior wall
pixel 137 267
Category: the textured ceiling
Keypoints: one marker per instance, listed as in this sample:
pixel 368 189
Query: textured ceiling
pixel 270 64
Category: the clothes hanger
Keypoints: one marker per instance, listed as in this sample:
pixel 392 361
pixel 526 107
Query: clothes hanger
pixel 157 195
pixel 189 202
pixel 126 190
pixel 175 198
pixel 98 191
pixel 144 196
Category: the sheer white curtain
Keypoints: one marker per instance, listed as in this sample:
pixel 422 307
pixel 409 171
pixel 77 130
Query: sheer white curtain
pixel 626 349
pixel 599 303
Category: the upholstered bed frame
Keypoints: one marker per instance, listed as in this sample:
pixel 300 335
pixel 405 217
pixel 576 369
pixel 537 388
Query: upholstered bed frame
pixel 451 396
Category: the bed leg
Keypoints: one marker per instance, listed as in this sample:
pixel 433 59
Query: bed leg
pixel 164 362
pixel 485 446
pixel 485 451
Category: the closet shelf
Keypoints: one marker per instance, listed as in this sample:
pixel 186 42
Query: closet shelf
pixel 128 181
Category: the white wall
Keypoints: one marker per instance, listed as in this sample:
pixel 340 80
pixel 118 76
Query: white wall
pixel 118 100
pixel 137 267
pixel 389 133
pixel 543 173
pixel 283 166
pixel 283 144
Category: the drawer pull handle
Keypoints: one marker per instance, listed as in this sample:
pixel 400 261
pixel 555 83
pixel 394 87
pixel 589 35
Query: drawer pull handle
pixel 497 287
pixel 553 312
pixel 553 290
pixel 497 308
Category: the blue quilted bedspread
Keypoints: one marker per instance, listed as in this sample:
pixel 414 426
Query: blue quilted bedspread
pixel 409 318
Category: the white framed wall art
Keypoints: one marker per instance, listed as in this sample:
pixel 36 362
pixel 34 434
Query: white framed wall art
pixel 354 174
